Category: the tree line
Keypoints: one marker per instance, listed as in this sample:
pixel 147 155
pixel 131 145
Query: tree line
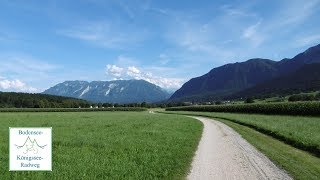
pixel 27 100
pixel 304 97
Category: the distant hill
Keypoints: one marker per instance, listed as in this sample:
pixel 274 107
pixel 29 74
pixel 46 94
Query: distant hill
pixel 223 81
pixel 227 79
pixel 119 91
pixel 304 79
pixel 26 100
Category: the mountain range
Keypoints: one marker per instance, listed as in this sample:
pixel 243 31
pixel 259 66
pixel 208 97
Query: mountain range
pixel 251 77
pixel 118 91
pixel 304 79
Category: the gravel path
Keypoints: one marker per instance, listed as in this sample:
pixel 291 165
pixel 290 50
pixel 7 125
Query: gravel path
pixel 223 154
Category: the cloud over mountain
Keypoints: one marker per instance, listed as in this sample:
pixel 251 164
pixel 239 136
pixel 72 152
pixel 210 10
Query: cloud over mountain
pixel 15 85
pixel 132 72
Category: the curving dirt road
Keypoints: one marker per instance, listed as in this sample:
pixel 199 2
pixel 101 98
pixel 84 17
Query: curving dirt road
pixel 223 154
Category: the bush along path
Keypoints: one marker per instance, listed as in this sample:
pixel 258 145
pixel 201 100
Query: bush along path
pixel 286 108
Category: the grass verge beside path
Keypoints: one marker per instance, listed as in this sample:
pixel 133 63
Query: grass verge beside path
pixel 109 145
pixel 298 163
pixel 302 132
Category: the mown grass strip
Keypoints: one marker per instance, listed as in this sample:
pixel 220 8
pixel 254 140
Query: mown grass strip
pixel 71 109
pixel 298 131
pixel 282 108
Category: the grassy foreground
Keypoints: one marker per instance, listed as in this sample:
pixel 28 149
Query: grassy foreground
pixel 300 131
pixel 109 145
pixel 300 164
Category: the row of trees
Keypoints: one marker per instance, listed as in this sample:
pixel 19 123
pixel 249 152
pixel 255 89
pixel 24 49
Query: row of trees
pixel 25 100
pixel 304 97
pixel 143 104
pixel 287 108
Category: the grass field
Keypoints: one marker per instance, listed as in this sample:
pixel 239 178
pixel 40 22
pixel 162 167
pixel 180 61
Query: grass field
pixel 300 164
pixel 109 145
pixel 300 131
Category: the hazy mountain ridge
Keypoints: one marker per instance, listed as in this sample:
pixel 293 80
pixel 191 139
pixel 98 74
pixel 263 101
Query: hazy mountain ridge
pixel 228 79
pixel 118 91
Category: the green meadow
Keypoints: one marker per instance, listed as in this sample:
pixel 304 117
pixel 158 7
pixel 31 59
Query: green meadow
pixel 108 145
pixel 292 142
pixel 300 131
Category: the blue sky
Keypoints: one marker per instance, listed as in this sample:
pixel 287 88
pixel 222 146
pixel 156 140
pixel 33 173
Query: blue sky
pixel 43 43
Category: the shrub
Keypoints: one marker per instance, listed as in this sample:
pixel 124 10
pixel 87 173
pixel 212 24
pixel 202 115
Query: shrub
pixel 296 108
pixel 218 103
pixel 249 100
pixel 301 97
pixel 317 97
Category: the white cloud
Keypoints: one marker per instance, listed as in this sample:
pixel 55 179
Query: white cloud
pixel 164 59
pixel 166 83
pixel 106 34
pixel 204 40
pixel 308 40
pixel 24 64
pixel 15 85
pixel 250 31
pixel 289 16
pixel 236 11
pixel 159 10
pixel 133 72
pixel 192 38
pixel 127 9
pixel 19 67
pixel 297 11
pixel 114 70
pixel 251 34
pixel 125 61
